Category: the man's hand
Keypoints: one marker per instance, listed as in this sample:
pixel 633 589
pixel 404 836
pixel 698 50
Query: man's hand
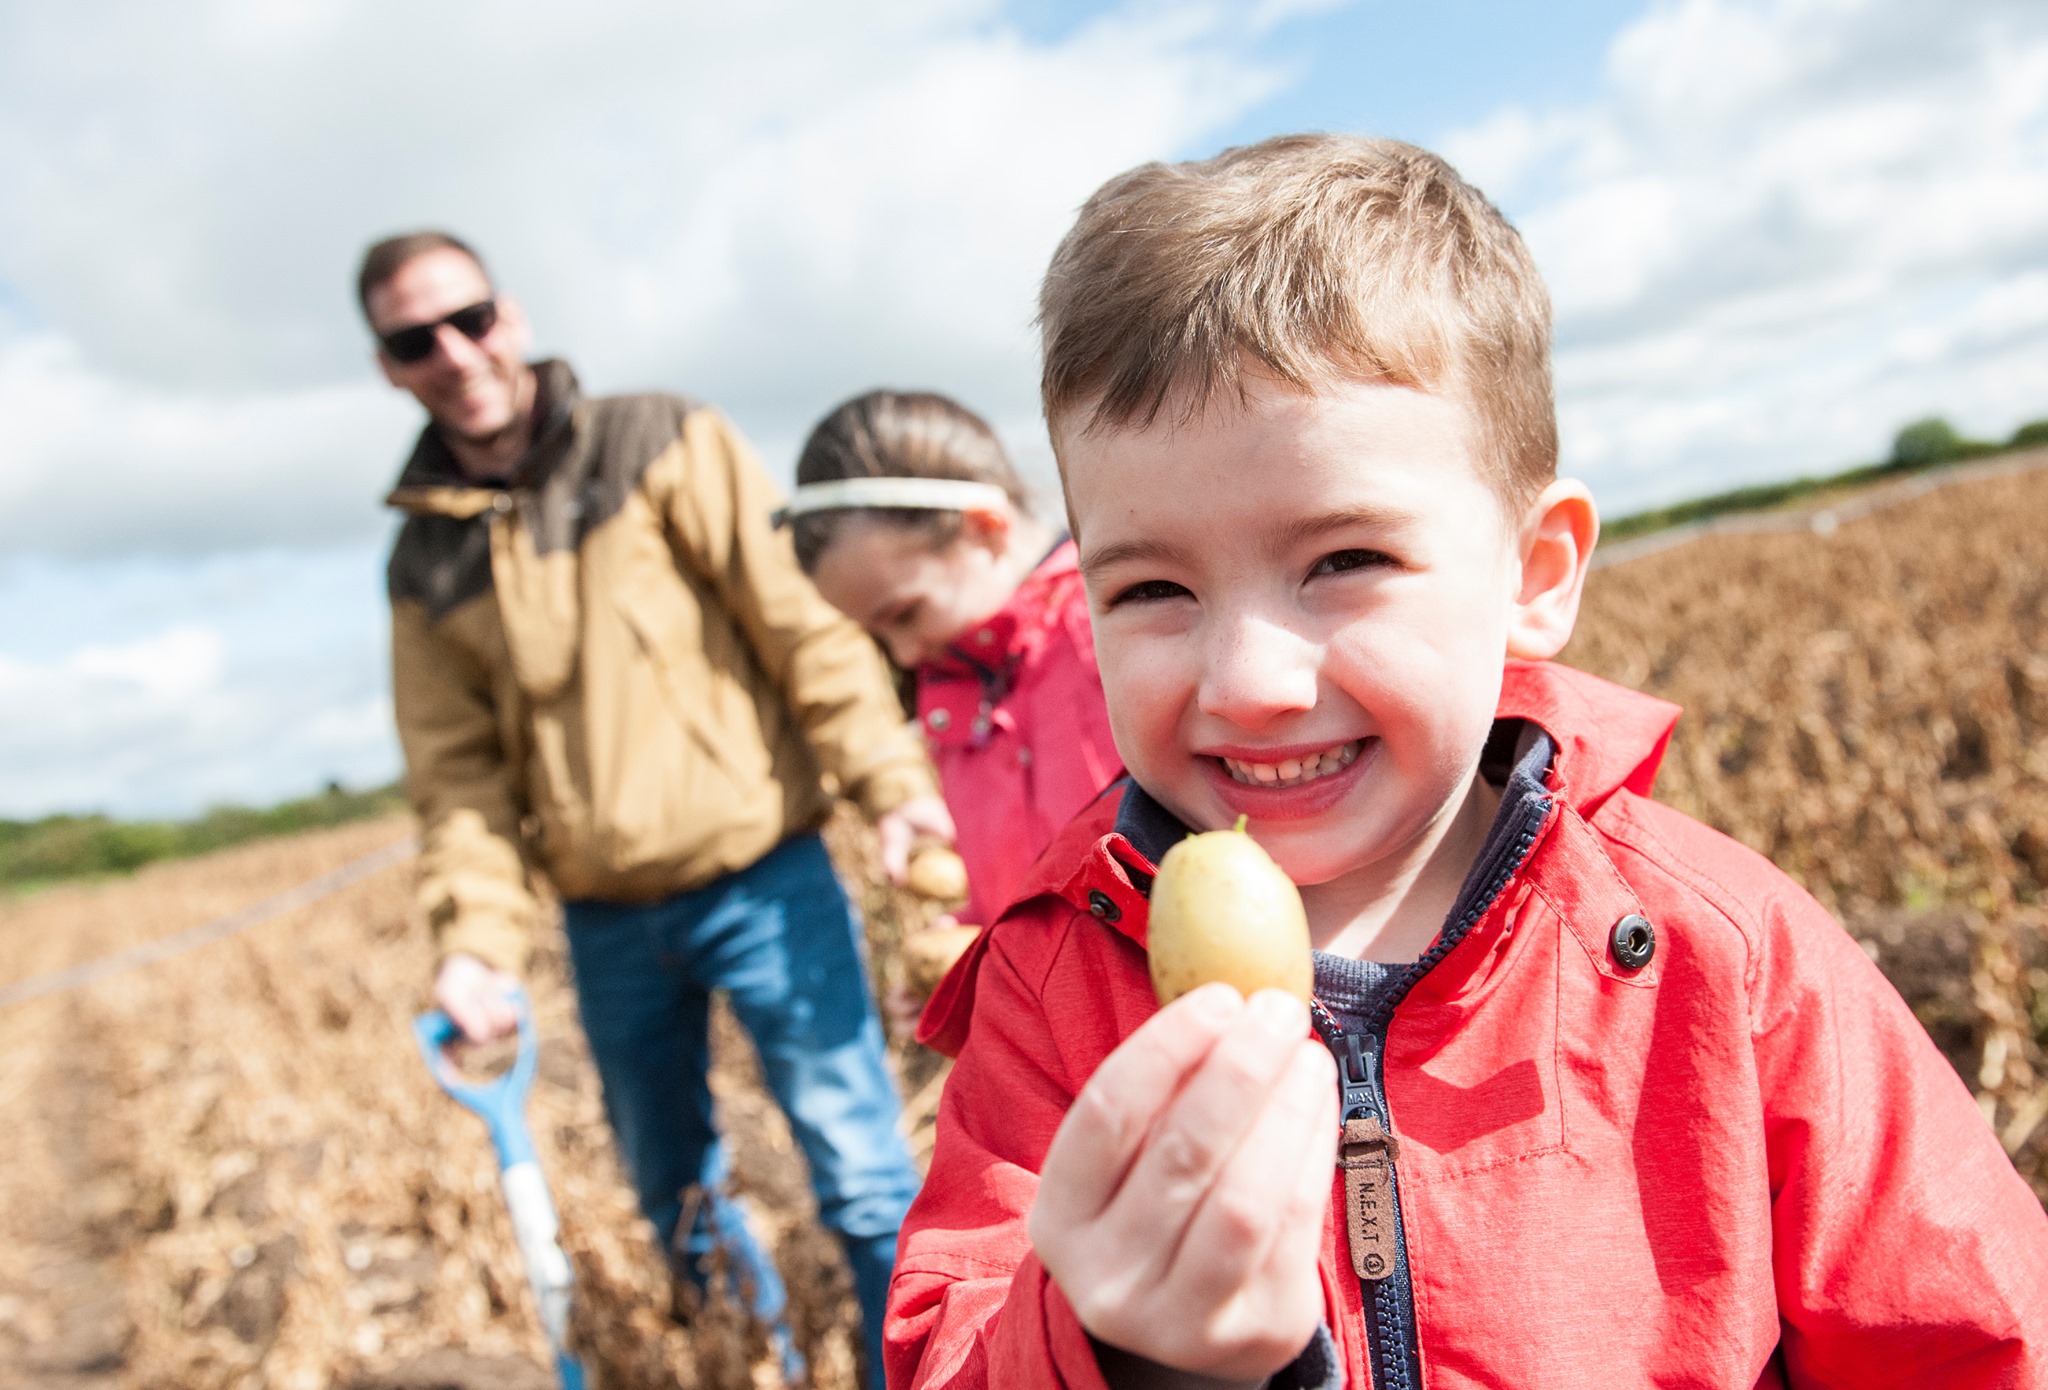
pixel 920 818
pixel 477 996
pixel 1181 1204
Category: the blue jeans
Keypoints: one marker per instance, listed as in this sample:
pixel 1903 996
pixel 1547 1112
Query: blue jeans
pixel 783 942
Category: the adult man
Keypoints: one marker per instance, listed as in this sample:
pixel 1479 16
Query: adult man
pixel 608 668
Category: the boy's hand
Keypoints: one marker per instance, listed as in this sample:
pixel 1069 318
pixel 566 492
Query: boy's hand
pixel 1181 1204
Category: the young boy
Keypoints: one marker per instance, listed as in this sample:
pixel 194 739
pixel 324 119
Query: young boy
pixel 1619 1103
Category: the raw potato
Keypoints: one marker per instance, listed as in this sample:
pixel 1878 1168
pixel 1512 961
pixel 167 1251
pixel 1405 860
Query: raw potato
pixel 1222 910
pixel 938 874
pixel 929 954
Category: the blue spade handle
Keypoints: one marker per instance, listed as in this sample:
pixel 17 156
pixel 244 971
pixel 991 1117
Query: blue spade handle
pixel 501 1103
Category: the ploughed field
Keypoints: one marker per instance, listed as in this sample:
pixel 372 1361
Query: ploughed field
pixel 229 1168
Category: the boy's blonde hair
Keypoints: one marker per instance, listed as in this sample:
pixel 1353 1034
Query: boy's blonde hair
pixel 1312 257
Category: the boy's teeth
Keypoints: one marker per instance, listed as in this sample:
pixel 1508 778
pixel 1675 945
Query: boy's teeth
pixel 1294 771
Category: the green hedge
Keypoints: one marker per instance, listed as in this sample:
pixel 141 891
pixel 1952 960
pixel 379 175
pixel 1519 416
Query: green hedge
pixel 61 847
pixel 1924 444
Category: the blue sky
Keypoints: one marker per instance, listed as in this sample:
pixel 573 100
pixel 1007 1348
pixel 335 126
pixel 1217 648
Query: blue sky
pixel 1774 230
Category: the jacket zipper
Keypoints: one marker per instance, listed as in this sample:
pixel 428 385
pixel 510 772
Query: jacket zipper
pixel 1369 1150
pixel 1379 1252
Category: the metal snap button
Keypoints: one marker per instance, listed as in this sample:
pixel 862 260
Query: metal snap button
pixel 1103 905
pixel 938 719
pixel 1635 941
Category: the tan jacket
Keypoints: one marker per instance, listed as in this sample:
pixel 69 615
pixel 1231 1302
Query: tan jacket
pixel 612 669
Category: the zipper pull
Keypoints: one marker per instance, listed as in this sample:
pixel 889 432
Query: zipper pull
pixel 1358 1066
pixel 1366 1155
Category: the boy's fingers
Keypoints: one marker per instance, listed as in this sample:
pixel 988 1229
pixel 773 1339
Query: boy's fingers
pixel 1197 1135
pixel 1291 1260
pixel 1108 1120
pixel 1205 1123
pixel 1265 1209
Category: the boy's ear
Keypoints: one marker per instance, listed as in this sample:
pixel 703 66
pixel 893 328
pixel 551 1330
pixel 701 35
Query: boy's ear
pixel 1556 548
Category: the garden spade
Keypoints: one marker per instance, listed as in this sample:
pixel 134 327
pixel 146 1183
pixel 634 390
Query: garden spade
pixel 502 1104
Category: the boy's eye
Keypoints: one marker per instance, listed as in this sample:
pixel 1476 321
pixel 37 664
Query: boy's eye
pixel 1150 591
pixel 1340 561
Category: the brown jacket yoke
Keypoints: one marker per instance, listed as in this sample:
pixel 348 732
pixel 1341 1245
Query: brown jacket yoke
pixel 612 670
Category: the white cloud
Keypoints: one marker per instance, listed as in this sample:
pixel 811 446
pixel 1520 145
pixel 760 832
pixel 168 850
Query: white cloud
pixel 768 206
pixel 176 664
pixel 281 687
pixel 1787 227
pixel 687 197
pixel 99 464
pixel 1777 231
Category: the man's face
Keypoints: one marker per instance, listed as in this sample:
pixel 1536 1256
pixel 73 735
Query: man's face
pixel 473 390
pixel 1301 612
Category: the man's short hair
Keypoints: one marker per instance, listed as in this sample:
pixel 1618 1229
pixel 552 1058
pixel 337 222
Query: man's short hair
pixel 1314 258
pixel 387 257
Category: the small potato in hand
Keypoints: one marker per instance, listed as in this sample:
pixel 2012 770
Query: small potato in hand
pixel 937 874
pixel 1222 911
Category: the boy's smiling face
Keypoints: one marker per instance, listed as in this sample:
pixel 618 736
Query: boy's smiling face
pixel 1302 606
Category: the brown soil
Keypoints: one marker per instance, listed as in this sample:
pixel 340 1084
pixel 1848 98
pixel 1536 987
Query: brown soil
pixel 230 1169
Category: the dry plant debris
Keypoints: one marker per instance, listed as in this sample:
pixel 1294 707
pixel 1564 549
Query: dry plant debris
pixel 230 1169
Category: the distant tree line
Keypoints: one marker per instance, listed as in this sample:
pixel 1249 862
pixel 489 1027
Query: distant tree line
pixel 35 852
pixel 1929 443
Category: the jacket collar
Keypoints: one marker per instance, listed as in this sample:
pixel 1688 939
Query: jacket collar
pixel 432 481
pixel 1018 629
pixel 1602 738
pixel 1597 739
pixel 1609 738
pixel 960 695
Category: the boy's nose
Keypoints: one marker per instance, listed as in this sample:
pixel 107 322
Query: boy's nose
pixel 1257 671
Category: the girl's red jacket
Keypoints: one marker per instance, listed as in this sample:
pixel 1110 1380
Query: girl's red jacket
pixel 1015 722
pixel 1743 1164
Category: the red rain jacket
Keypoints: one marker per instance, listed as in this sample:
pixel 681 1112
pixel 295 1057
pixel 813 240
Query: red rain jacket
pixel 1017 728
pixel 1743 1165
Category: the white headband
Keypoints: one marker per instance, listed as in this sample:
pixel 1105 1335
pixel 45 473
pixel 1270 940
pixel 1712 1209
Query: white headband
pixel 920 494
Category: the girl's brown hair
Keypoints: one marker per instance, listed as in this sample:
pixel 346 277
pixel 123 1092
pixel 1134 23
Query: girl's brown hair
pixel 898 434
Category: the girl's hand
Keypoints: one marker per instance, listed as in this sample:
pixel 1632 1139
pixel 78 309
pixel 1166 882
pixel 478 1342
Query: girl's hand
pixel 1182 1201
pixel 920 818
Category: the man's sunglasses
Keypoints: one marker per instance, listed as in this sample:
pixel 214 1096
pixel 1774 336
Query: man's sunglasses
pixel 416 343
